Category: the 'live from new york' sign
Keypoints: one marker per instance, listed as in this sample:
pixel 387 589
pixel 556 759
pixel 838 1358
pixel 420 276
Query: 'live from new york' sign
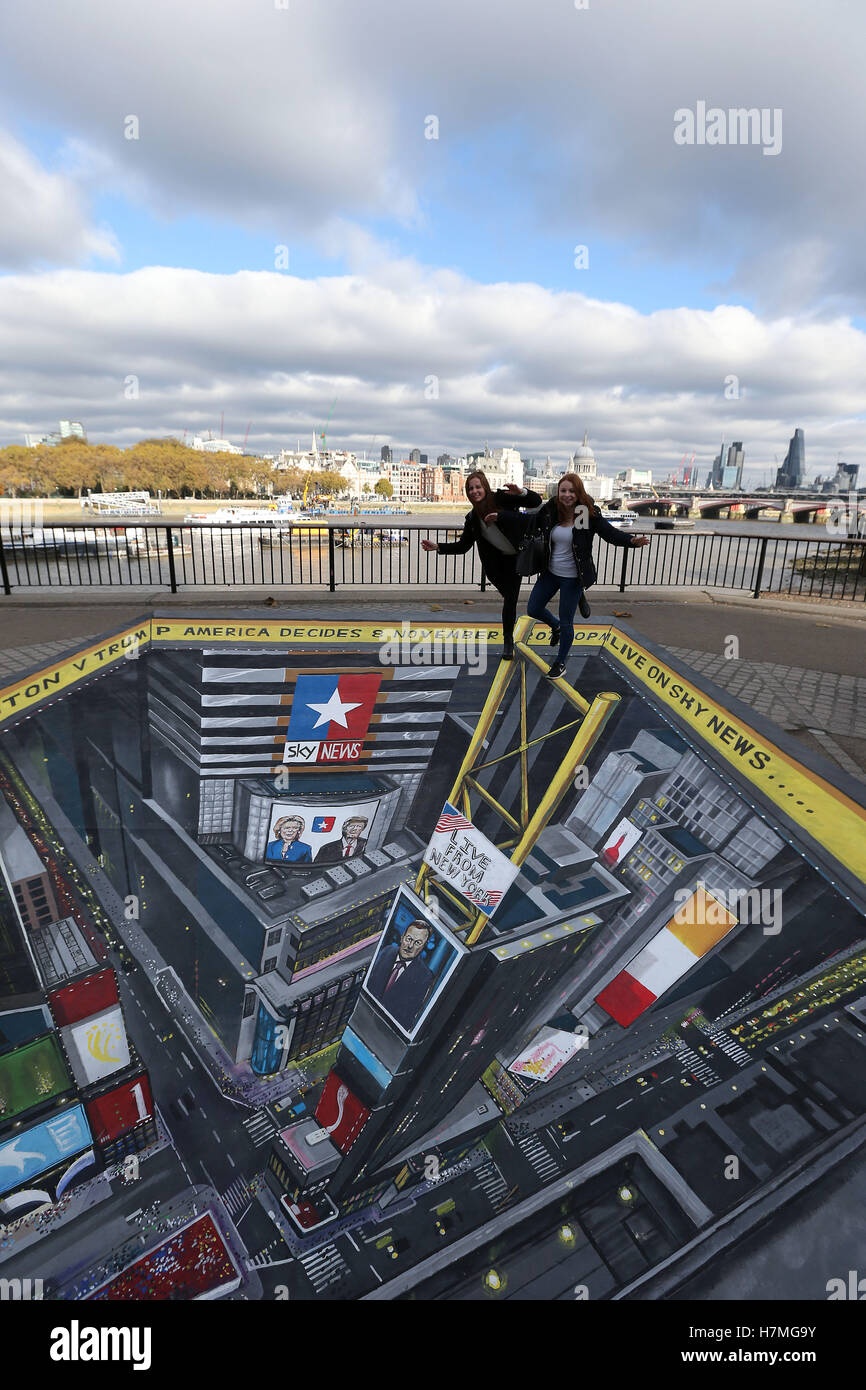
pixel 467 862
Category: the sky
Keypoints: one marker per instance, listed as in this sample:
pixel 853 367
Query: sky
pixel 438 225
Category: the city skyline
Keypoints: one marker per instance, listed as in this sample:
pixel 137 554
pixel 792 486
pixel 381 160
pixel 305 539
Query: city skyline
pixel 454 258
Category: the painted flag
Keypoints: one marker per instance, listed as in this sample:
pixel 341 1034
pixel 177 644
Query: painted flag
pixel 323 825
pixel 330 716
pixel 451 819
pixel 698 925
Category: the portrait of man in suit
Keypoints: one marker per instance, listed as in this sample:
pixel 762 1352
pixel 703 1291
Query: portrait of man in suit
pixel 399 979
pixel 349 844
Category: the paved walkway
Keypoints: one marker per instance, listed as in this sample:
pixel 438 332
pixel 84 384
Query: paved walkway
pixel 801 665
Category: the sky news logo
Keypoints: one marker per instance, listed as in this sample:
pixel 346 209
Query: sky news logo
pixel 77 1343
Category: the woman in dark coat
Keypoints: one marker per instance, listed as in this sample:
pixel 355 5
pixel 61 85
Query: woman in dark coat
pixel 496 551
pixel 567 524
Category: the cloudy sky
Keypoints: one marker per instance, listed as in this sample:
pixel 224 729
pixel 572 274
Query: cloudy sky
pixel 270 208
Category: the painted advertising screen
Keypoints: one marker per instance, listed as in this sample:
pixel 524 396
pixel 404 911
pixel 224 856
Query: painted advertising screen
pixel 548 1051
pixel 414 959
pixel 118 1111
pixel 98 1047
pixel 301 836
pixel 35 1150
pixel 695 928
pixel 92 995
pixel 31 1075
pixel 340 1113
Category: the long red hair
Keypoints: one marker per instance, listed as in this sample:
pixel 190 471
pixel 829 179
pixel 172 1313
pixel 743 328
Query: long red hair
pixel 582 499
pixel 487 503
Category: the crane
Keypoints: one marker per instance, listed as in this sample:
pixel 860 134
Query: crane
pixel 324 433
pixel 247 435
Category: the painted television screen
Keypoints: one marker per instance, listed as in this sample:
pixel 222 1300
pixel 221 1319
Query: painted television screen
pixel 116 1112
pixel 31 1075
pixel 414 959
pixel 310 834
pixel 33 1151
pixel 97 1047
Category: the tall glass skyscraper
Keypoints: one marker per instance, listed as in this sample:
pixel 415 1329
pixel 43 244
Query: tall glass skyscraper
pixel 793 470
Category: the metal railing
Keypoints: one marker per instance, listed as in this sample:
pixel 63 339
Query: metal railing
pixel 332 555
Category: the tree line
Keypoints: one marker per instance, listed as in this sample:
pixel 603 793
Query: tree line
pixel 165 466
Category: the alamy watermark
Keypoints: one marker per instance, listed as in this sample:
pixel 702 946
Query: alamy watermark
pixel 21 513
pixel 750 906
pixel 21 1290
pixel 739 125
pixel 854 1288
pixel 847 519
pixel 421 646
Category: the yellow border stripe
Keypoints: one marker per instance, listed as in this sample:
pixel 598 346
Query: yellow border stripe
pixel 829 816
pixel 48 682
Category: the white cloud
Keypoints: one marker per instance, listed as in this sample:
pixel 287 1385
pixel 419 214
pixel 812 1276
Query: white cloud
pixel 292 120
pixel 516 364
pixel 42 215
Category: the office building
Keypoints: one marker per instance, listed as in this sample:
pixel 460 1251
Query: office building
pixel 793 470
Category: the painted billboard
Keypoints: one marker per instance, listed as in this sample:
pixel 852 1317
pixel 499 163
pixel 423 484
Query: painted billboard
pixel 467 861
pixel 31 1075
pixel 42 1147
pixel 621 840
pixel 82 998
pixel 697 926
pixel 117 1112
pixel 97 1047
pixel 310 834
pixel 414 960
pixel 340 1113
pixel 330 716
pixel 548 1051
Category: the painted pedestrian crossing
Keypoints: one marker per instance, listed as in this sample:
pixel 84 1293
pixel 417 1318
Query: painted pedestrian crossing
pixel 539 1157
pixel 698 1067
pixel 324 1267
pixel 237 1197
pixel 727 1044
pixel 263 1259
pixel 492 1184
pixel 259 1127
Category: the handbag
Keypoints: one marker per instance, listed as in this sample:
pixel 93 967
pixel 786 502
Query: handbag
pixel 533 550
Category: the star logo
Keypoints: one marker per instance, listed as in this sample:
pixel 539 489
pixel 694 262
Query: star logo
pixel 334 711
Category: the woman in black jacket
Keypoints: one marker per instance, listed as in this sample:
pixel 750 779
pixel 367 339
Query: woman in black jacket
pixel 567 524
pixel 496 551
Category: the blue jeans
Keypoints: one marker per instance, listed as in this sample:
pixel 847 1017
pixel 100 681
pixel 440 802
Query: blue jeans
pixel 543 590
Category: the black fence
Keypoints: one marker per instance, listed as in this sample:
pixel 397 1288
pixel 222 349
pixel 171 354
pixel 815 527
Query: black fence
pixel 332 555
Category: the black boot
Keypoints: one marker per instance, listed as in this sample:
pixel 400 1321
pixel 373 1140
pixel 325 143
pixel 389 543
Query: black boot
pixel 508 651
pixel 554 637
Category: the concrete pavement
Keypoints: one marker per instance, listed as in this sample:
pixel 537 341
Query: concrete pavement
pixel 801 664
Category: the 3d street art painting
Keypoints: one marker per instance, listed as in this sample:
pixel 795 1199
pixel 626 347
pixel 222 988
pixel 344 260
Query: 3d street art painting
pixel 317 933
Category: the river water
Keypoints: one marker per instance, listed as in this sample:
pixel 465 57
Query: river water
pixel 799 558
